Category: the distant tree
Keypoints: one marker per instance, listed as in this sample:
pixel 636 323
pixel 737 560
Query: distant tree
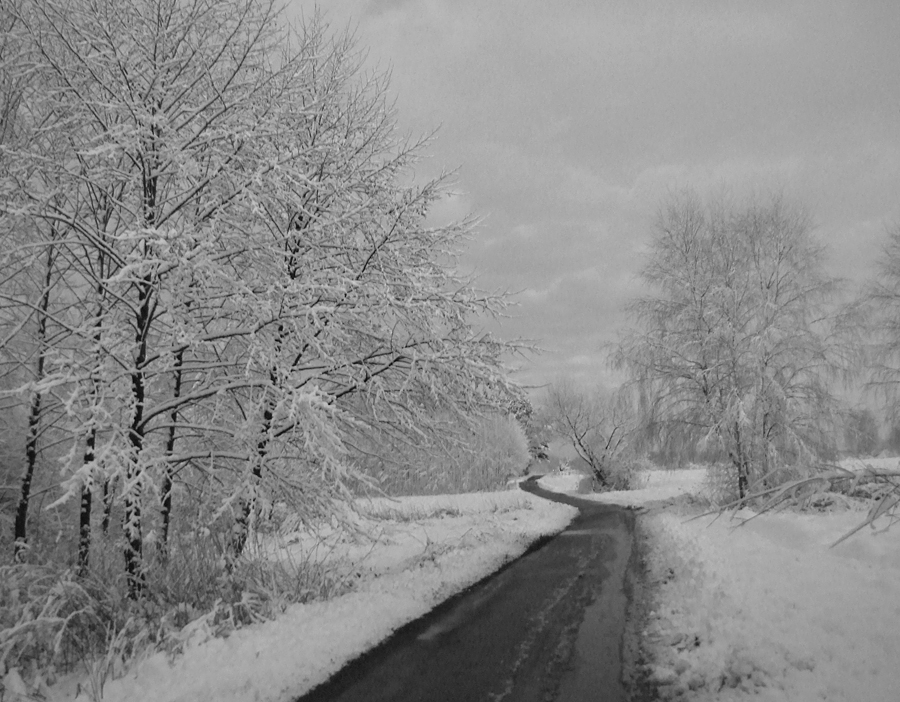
pixel 736 344
pixel 596 423
pixel 536 424
pixel 883 298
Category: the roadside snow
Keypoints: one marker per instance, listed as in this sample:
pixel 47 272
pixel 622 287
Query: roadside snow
pixel 882 463
pixel 658 486
pixel 419 551
pixel 565 481
pixel 767 609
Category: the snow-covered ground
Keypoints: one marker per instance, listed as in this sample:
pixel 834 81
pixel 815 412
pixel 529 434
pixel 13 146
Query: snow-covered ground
pixel 419 551
pixel 766 609
pixel 877 463
pixel 657 486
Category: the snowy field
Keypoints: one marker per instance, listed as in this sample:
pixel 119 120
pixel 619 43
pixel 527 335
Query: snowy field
pixel 766 610
pixel 408 556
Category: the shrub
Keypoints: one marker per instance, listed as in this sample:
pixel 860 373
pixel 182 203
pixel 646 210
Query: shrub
pixel 54 621
pixel 627 472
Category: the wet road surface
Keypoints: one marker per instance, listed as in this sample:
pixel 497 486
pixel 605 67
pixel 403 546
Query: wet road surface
pixel 547 627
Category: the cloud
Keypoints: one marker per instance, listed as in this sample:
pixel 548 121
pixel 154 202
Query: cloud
pixel 572 121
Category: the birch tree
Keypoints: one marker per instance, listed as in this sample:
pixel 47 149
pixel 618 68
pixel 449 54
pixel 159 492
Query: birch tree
pixel 736 342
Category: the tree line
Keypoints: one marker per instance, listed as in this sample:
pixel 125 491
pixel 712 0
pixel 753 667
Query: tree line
pixel 742 351
pixel 218 276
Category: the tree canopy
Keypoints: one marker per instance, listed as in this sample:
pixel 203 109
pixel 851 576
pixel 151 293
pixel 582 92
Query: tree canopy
pixel 737 341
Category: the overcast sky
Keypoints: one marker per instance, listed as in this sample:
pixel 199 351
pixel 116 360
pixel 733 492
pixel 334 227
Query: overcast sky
pixel 572 120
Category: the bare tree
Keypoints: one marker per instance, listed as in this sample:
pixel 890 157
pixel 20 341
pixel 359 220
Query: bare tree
pixel 597 423
pixel 737 341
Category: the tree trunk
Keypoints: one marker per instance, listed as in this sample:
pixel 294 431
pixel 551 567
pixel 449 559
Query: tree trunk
pixel 242 521
pixel 84 518
pixel 34 418
pixel 20 529
pixel 107 506
pixel 134 548
pixel 84 530
pixel 600 476
pixel 740 462
pixel 134 545
pixel 168 478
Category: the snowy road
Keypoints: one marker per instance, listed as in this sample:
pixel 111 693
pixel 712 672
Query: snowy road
pixel 547 627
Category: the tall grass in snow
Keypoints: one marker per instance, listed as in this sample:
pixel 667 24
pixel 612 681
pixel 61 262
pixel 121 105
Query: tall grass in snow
pixel 54 620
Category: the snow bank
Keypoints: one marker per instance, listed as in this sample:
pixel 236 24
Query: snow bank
pixel 883 463
pixel 767 610
pixel 427 549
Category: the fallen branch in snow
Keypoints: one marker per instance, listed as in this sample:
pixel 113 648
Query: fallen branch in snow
pixel 882 485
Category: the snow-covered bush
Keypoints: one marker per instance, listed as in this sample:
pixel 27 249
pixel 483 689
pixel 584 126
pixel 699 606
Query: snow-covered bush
pixel 627 472
pixel 51 620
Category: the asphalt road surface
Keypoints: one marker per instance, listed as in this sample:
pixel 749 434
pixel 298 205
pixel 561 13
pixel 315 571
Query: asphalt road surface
pixel 547 627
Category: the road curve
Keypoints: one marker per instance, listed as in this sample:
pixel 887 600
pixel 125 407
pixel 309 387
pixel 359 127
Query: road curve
pixel 549 626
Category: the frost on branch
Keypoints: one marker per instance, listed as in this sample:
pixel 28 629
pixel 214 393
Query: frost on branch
pixel 221 283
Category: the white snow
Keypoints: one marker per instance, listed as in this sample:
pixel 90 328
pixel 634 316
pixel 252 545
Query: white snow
pixel 767 609
pixel 572 481
pixel 762 609
pixel 880 463
pixel 656 486
pixel 424 550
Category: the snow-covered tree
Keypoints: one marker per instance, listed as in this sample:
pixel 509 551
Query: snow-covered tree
pixel 247 275
pixel 597 423
pixel 736 342
pixel 31 303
